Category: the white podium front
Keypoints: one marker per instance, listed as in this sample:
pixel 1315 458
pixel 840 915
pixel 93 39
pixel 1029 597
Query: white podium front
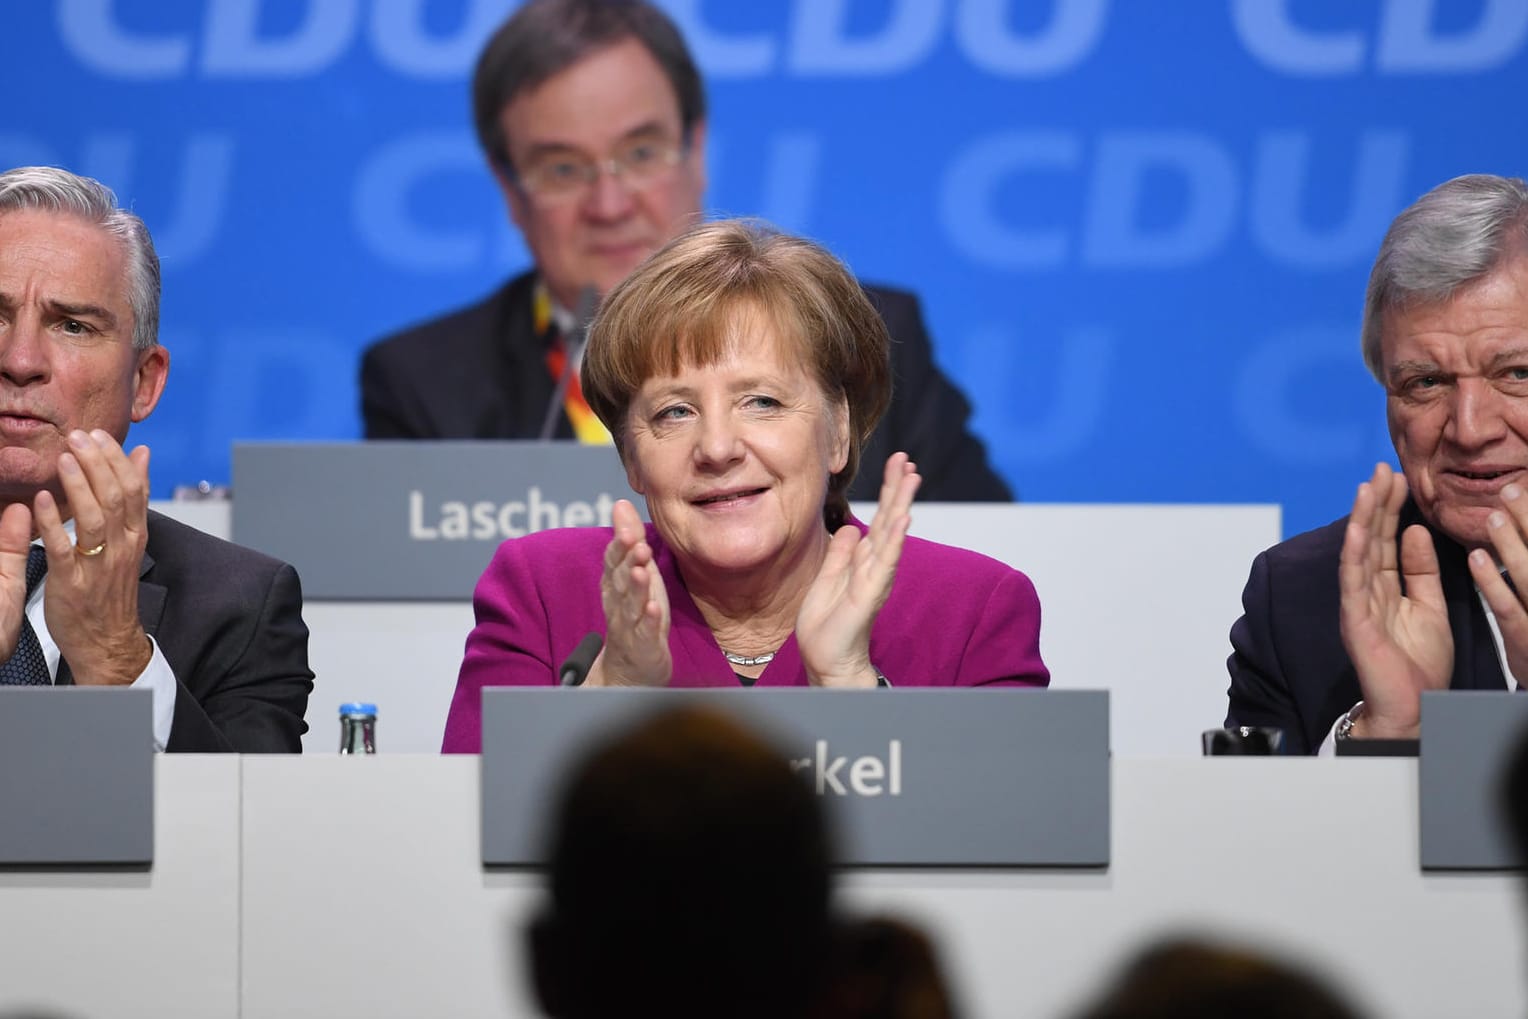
pixel 363 893
pixel 294 887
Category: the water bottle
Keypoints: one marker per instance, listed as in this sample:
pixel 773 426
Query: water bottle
pixel 358 728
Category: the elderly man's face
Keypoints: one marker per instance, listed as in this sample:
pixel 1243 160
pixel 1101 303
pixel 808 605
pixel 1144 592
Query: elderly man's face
pixel 1457 378
pixel 66 345
pixel 598 108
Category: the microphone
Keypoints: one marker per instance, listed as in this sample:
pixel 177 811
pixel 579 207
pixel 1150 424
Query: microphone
pixel 581 660
pixel 588 303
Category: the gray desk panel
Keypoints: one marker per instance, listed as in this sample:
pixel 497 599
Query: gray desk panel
pixel 76 775
pixel 1005 777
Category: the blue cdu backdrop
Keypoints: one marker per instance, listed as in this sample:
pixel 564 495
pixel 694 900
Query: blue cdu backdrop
pixel 1141 230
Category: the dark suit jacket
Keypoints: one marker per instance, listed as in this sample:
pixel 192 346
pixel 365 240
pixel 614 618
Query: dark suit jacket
pixel 1288 667
pixel 479 373
pixel 229 621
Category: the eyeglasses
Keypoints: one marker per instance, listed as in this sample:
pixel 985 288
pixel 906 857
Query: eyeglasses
pixel 638 163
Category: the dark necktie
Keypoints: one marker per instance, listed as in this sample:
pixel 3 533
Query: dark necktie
pixel 27 666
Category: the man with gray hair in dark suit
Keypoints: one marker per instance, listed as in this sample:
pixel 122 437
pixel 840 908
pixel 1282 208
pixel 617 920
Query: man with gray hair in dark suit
pixel 96 589
pixel 1420 587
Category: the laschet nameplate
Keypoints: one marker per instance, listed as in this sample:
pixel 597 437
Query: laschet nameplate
pixel 412 521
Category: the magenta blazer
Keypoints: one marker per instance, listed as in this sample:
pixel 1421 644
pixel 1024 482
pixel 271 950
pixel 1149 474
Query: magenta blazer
pixel 954 618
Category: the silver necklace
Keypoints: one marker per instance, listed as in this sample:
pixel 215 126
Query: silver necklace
pixel 746 662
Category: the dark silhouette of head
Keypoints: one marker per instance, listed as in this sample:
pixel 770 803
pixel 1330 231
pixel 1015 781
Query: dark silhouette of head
pixel 884 968
pixel 1191 979
pixel 689 876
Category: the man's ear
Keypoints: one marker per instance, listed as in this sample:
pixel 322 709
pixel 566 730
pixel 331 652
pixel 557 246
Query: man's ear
pixel 148 381
pixel 514 199
pixel 697 159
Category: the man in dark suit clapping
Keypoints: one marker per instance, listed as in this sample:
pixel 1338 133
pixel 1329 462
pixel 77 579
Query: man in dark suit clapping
pixel 1421 586
pixel 95 589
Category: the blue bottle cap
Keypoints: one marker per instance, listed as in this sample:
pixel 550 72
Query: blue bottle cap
pixel 354 708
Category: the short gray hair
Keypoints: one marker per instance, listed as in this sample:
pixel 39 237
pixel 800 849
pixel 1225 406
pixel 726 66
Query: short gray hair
pixel 49 189
pixel 1460 231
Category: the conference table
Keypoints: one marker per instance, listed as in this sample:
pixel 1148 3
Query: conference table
pixel 330 886
pixel 322 885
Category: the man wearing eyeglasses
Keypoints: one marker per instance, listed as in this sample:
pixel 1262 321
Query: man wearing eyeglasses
pixel 592 116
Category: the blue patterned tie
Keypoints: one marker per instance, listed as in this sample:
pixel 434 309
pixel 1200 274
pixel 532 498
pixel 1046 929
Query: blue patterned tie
pixel 27 666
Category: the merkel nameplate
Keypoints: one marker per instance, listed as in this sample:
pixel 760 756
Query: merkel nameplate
pixel 76 776
pixel 412 520
pixel 1467 738
pixel 911 777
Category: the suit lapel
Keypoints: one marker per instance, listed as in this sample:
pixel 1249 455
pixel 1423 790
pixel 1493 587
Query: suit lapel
pixel 151 599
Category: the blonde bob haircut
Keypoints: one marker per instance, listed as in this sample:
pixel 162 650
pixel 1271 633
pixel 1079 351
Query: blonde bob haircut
pixel 682 306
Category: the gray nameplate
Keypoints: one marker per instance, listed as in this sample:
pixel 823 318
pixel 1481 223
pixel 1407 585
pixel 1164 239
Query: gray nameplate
pixel 1467 739
pixel 76 775
pixel 412 521
pixel 911 776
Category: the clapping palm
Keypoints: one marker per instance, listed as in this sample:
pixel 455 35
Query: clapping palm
pixel 833 625
pixel 1399 642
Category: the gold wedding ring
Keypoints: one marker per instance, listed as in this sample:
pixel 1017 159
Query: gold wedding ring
pixel 91 551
